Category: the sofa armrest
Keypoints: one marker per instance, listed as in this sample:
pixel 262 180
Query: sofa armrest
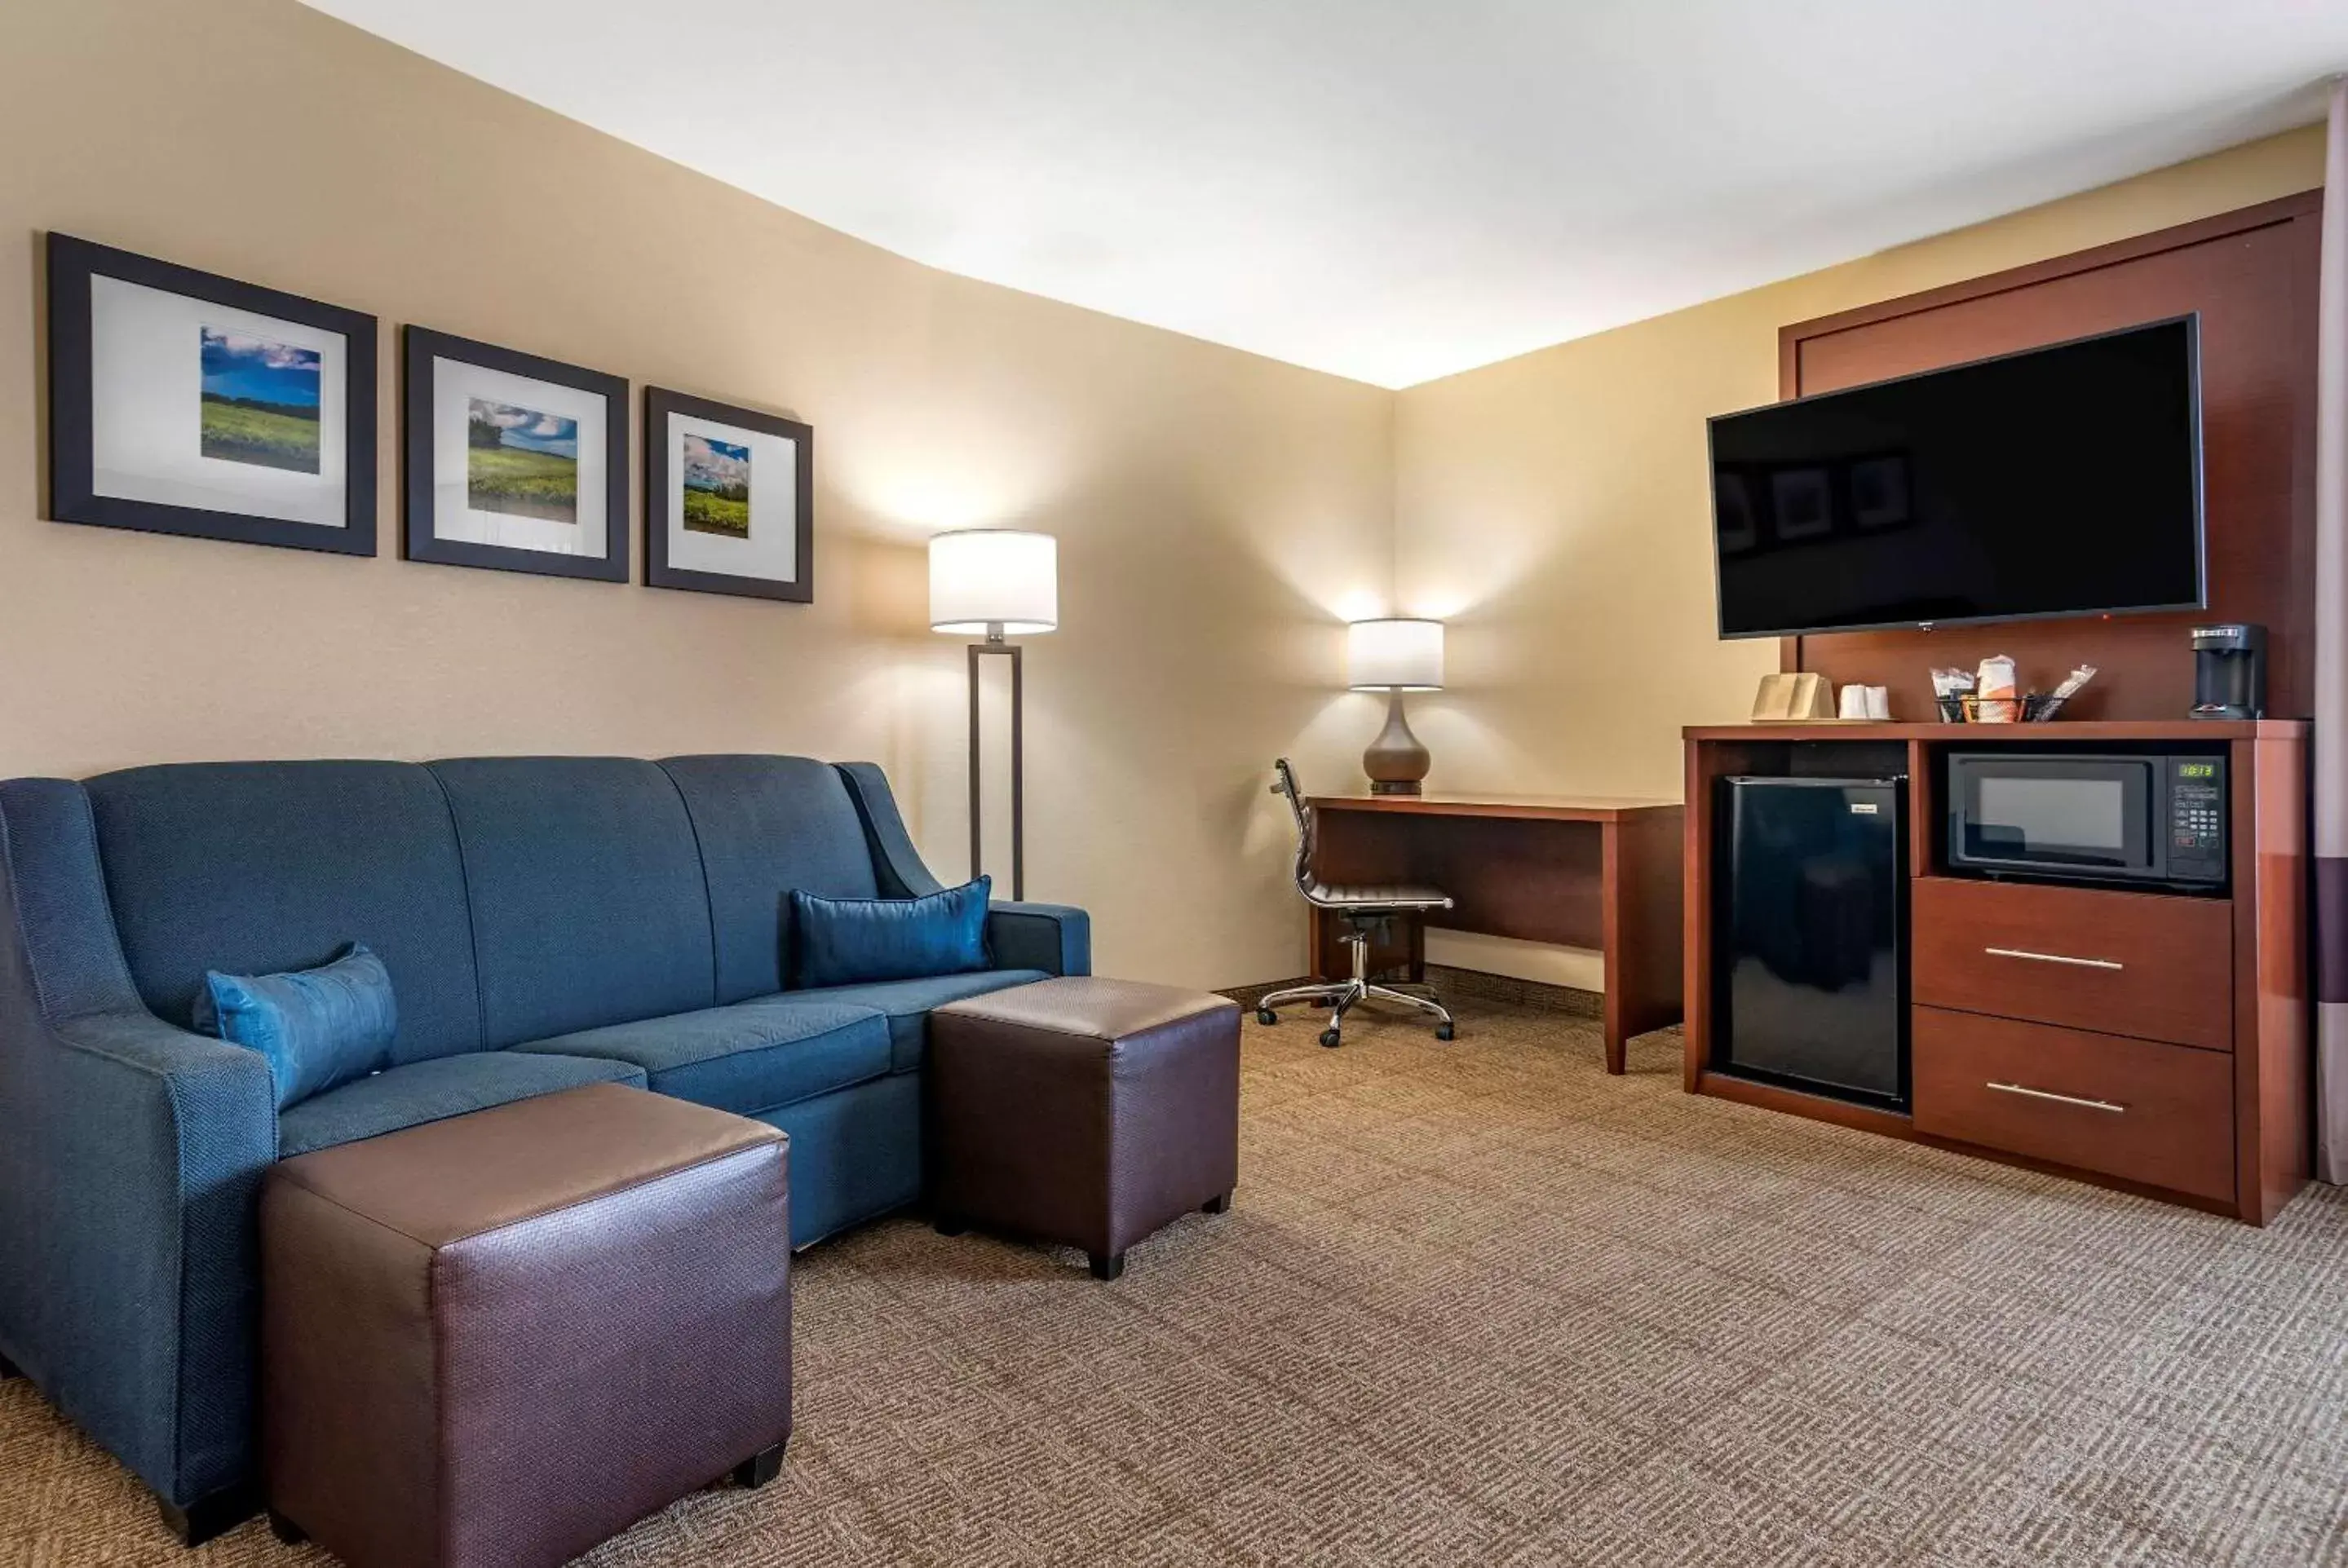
pixel 147 1145
pixel 897 868
pixel 1056 938
pixel 130 1159
pixel 1053 938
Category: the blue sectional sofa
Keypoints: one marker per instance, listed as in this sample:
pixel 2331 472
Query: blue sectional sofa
pixel 547 922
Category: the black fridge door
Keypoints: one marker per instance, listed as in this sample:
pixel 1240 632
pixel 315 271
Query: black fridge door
pixel 1811 935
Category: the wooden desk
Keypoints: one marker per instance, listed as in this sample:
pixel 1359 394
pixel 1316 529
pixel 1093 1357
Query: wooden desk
pixel 1580 871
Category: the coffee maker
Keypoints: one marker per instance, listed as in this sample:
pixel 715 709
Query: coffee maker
pixel 2229 671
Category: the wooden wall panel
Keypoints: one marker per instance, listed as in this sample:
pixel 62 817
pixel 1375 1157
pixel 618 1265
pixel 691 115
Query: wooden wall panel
pixel 2251 275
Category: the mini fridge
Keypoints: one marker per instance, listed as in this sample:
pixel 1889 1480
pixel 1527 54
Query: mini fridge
pixel 1809 935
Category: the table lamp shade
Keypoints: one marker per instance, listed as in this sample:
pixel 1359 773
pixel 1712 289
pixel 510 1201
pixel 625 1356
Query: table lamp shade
pixel 1395 655
pixel 984 578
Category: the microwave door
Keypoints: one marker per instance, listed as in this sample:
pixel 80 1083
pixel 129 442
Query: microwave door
pixel 2052 815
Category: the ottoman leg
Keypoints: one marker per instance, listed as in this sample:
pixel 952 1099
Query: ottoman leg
pixel 8 1369
pixel 1106 1265
pixel 949 1224
pixel 286 1529
pixel 760 1468
pixel 1220 1204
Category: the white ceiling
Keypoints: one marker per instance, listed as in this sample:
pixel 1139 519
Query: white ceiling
pixel 1395 189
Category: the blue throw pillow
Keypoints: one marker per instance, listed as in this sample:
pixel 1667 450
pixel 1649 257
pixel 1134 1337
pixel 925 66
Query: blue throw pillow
pixel 846 941
pixel 317 1029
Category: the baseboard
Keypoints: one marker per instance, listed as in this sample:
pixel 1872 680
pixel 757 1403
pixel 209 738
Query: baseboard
pixel 1515 992
pixel 1456 983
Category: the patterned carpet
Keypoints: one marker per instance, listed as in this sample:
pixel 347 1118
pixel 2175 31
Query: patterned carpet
pixel 1481 1303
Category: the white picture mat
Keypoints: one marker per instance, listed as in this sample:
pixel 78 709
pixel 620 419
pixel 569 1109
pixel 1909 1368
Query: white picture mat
pixel 145 415
pixel 772 550
pixel 454 385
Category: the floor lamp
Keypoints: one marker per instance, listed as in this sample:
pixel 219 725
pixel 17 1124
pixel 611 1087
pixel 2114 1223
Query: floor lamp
pixel 996 583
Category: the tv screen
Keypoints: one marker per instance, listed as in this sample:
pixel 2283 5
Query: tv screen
pixel 2060 481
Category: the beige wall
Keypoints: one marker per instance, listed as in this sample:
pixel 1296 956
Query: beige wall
pixel 1213 508
pixel 1554 508
pixel 1219 514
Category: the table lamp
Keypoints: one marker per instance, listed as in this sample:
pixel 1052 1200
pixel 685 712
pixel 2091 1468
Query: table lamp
pixel 996 583
pixel 1394 656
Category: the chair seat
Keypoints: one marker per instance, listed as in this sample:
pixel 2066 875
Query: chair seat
pixel 752 1057
pixel 1370 899
pixel 432 1089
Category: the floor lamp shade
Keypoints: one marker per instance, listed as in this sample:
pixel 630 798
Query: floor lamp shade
pixel 1394 656
pixel 996 583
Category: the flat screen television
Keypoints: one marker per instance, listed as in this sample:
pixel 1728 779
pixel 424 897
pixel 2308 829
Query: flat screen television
pixel 2064 480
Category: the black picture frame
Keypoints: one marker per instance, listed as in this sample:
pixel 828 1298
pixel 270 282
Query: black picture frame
pixel 660 403
pixel 419 346
pixel 73 497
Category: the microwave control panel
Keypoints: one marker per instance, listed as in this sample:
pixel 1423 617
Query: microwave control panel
pixel 2197 818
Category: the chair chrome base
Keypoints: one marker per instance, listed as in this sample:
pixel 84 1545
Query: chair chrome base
pixel 1341 996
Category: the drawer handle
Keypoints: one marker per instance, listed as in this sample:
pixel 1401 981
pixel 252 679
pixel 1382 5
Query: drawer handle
pixel 2053 958
pixel 2058 1099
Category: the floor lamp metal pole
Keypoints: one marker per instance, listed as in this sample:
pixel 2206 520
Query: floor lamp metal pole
pixel 995 644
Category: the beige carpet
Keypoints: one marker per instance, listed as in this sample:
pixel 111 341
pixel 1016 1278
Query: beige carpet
pixel 1481 1303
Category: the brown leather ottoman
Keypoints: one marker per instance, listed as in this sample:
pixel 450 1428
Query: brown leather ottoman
pixel 1084 1112
pixel 503 1338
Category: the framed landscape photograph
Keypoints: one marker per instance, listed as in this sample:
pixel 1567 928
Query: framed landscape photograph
pixel 513 462
pixel 728 499
pixel 184 403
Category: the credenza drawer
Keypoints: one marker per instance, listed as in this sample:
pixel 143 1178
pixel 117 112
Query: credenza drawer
pixel 2160 1114
pixel 2156 966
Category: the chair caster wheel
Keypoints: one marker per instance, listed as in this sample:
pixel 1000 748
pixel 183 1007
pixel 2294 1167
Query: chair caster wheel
pixel 1329 1036
pixel 1265 1015
pixel 1443 1031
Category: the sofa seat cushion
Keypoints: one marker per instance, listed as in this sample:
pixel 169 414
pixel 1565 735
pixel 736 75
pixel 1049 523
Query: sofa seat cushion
pixel 751 1056
pixel 423 1091
pixel 907 1003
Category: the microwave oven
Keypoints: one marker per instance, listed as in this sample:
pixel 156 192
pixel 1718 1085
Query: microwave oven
pixel 2062 815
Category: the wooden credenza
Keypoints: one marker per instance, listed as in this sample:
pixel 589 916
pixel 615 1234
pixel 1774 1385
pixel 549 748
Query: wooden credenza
pixel 2154 1041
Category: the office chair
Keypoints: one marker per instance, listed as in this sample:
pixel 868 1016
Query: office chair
pixel 1364 912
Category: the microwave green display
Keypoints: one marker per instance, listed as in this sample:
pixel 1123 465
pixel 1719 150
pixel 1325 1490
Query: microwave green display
pixel 2197 770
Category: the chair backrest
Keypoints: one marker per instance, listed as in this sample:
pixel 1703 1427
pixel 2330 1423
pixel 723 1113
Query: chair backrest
pixel 1285 783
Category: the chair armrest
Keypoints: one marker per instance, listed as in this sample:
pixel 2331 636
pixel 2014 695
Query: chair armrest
pixel 1053 938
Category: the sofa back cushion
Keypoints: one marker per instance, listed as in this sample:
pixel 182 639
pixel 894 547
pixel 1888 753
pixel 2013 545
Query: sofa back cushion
pixel 768 827
pixel 260 868
pixel 589 906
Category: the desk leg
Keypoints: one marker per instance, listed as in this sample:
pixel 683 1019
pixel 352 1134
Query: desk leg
pixel 1640 883
pixel 1615 1003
